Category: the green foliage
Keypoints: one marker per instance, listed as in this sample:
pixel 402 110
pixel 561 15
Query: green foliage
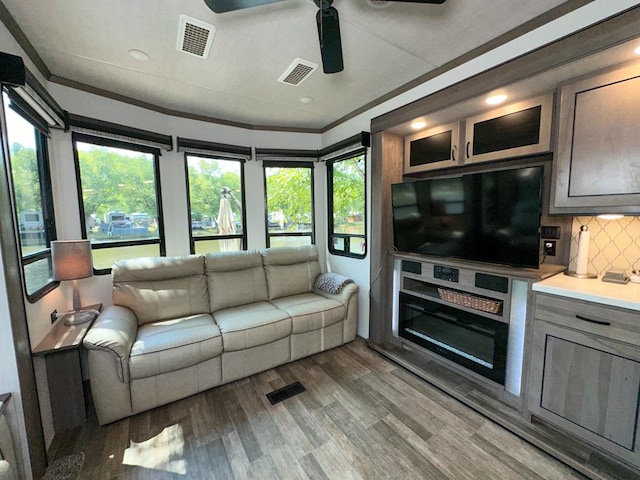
pixel 206 181
pixel 349 192
pixel 26 179
pixel 289 191
pixel 113 181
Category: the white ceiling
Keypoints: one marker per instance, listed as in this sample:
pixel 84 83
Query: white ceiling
pixel 384 47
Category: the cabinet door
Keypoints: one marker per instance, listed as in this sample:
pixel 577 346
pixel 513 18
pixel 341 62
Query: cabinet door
pixel 514 130
pixel 597 167
pixel 432 149
pixel 588 385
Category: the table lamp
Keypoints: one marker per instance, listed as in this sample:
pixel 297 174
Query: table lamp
pixel 71 260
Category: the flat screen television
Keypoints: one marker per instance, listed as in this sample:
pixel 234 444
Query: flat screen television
pixel 487 217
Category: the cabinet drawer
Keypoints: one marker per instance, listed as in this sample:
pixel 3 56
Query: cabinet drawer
pixel 610 322
pixel 588 385
pixel 593 389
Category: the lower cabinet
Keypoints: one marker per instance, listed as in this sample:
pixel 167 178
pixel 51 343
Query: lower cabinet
pixel 584 381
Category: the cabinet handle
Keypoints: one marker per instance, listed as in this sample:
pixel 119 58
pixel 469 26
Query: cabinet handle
pixel 453 153
pixel 467 149
pixel 591 320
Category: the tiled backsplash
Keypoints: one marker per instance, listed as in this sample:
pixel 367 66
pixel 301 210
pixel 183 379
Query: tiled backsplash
pixel 614 244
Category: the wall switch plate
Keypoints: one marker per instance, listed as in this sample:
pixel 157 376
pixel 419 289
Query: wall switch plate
pixel 552 232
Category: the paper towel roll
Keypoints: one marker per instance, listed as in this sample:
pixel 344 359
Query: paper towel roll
pixel 582 259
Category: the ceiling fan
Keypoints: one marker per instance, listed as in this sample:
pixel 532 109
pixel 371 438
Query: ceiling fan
pixel 326 19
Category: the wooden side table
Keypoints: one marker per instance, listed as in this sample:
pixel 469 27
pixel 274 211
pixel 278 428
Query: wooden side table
pixel 57 360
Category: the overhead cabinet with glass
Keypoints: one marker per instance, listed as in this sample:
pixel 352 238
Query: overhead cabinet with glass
pixel 515 130
pixel 432 149
pixel 597 167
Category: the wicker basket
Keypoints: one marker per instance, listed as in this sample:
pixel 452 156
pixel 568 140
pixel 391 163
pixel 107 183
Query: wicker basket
pixel 470 301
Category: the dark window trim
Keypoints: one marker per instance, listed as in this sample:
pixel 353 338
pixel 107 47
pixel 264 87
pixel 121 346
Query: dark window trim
pixel 23 109
pixel 293 164
pixel 106 142
pixel 346 236
pixel 131 134
pixel 187 144
pixel 242 236
pixel 46 200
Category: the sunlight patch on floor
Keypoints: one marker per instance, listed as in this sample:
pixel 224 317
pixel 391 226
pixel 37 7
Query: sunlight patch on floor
pixel 163 452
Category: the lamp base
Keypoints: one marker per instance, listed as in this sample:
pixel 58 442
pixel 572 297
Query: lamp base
pixel 79 317
pixel 581 275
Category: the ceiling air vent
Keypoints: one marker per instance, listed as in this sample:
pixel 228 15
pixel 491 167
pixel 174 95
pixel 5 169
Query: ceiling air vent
pixel 298 71
pixel 195 36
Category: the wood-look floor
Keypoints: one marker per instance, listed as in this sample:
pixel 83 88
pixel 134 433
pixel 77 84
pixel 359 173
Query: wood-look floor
pixel 362 417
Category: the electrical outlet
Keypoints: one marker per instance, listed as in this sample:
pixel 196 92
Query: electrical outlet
pixel 54 316
pixel 550 248
pixel 550 232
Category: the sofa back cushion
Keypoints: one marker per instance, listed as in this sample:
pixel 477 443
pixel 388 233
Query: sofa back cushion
pixel 161 288
pixel 234 279
pixel 290 270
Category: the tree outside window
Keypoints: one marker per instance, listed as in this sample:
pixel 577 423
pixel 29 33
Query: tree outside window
pixel 347 206
pixel 289 199
pixel 119 200
pixel 33 202
pixel 216 202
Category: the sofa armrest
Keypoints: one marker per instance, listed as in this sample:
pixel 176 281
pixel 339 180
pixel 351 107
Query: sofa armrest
pixel 347 291
pixel 330 282
pixel 114 331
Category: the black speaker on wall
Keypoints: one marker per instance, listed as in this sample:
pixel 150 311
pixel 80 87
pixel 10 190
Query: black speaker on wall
pixel 12 71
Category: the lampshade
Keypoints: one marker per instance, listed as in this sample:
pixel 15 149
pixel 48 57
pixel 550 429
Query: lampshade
pixel 71 259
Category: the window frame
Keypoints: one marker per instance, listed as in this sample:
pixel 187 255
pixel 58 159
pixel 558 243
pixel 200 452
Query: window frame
pixel 243 236
pixel 46 196
pixel 108 142
pixel 360 152
pixel 289 164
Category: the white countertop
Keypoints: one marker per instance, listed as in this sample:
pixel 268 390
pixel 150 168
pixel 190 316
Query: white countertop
pixel 592 290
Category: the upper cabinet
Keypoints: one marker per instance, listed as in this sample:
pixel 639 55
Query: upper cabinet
pixel 431 149
pixel 514 130
pixel 597 167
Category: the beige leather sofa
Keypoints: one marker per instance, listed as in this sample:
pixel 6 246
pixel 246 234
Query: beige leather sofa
pixel 181 325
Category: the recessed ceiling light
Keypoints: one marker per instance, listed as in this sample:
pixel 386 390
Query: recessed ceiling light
pixel 306 99
pixel 637 50
pixel 496 99
pixel 418 124
pixel 610 216
pixel 138 55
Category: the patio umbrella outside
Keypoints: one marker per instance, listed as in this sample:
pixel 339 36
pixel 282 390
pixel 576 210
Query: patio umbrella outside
pixel 226 226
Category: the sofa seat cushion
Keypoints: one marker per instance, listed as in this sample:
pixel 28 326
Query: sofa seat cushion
pixel 169 345
pixel 310 311
pixel 252 325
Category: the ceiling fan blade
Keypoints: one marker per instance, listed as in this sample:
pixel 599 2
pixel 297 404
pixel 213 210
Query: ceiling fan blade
pixel 223 6
pixel 330 42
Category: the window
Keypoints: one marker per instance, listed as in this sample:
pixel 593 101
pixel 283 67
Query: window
pixel 119 195
pixel 289 200
pixel 28 164
pixel 216 204
pixel 347 205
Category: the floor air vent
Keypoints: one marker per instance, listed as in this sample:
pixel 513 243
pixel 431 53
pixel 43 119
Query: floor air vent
pixel 298 71
pixel 285 392
pixel 195 36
